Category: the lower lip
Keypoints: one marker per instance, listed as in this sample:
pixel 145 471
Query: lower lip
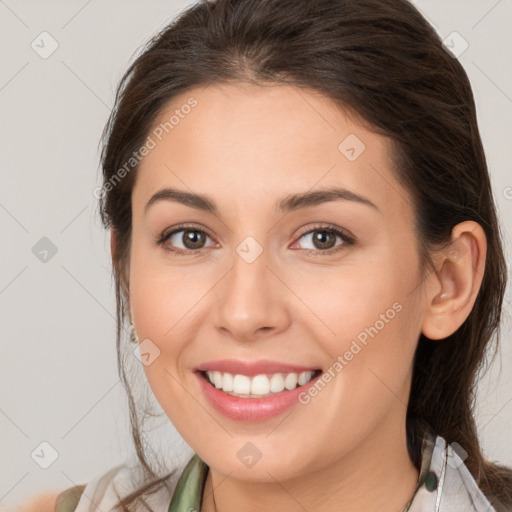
pixel 251 409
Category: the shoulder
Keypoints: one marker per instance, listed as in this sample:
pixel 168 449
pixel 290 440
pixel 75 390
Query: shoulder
pixel 103 492
pixel 42 502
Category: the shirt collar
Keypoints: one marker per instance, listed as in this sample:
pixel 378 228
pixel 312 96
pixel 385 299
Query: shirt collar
pixel 188 492
pixel 427 477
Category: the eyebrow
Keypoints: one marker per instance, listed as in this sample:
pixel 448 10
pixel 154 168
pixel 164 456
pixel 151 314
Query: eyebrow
pixel 291 202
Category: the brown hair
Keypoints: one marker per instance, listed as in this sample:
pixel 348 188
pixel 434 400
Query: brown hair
pixel 381 59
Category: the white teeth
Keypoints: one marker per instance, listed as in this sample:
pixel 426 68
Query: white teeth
pixel 217 379
pixel 290 382
pixel 277 383
pixel 259 385
pixel 304 377
pixel 227 382
pixel 241 384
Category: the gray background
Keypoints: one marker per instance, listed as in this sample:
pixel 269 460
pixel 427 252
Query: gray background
pixel 58 373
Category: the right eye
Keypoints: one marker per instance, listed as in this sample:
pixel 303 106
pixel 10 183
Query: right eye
pixel 192 240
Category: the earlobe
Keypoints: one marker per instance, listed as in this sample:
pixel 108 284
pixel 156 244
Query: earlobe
pixel 456 281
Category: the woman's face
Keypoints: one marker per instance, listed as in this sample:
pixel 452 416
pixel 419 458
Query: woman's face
pixel 298 259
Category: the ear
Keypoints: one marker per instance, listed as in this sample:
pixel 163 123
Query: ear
pixel 454 285
pixel 119 269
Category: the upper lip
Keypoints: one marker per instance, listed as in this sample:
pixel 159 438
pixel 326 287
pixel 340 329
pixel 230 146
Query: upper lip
pixel 251 368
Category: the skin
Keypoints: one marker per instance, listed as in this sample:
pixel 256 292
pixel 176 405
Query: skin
pixel 247 147
pixel 43 502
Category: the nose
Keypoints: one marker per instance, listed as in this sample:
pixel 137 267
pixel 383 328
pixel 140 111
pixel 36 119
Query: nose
pixel 250 303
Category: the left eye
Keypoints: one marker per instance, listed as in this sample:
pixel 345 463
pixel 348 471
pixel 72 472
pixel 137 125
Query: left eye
pixel 324 239
pixel 191 238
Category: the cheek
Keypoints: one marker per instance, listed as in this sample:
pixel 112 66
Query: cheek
pixel 163 297
pixel 373 325
pixel 164 304
pixel 360 303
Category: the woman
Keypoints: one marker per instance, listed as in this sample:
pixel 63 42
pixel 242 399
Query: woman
pixel 305 244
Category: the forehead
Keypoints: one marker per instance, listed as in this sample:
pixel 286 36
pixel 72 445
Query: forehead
pixel 273 117
pixel 265 140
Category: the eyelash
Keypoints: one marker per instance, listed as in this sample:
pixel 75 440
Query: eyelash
pixel 347 239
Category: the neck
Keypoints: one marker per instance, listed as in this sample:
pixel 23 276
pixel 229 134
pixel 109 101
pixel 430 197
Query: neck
pixel 377 475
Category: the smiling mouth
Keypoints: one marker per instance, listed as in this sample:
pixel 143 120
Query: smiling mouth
pixel 258 386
